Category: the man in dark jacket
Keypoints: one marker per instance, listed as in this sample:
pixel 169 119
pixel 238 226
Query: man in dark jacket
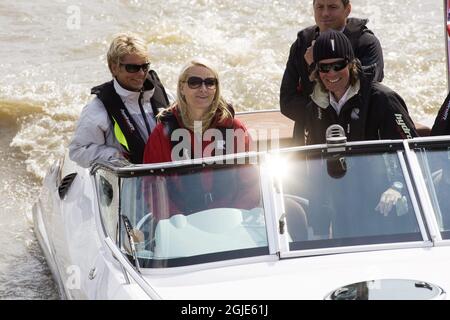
pixel 296 85
pixel 345 95
pixel 366 110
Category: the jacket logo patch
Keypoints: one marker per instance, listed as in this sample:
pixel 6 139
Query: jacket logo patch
pixel 401 123
pixel 355 114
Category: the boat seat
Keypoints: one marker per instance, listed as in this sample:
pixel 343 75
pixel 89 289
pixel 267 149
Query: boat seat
pixel 297 222
pixel 261 123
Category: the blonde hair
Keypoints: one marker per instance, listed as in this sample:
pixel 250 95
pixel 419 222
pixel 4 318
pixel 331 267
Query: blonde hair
pixel 123 44
pixel 218 106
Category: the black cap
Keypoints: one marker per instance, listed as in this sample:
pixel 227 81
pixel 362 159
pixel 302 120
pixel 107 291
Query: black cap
pixel 332 44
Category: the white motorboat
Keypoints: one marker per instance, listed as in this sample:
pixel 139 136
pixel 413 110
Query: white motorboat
pixel 293 223
pixel 297 223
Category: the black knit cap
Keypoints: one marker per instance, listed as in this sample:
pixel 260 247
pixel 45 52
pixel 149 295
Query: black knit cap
pixel 332 44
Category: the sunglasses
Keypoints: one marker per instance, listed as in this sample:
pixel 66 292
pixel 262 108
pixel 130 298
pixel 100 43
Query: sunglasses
pixel 336 66
pixel 196 82
pixel 133 68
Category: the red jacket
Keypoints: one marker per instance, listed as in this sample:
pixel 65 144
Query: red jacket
pixel 159 147
pixel 241 191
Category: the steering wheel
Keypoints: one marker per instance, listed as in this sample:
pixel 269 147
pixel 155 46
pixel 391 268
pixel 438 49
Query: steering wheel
pixel 297 217
pixel 142 221
pixel 148 234
pixel 302 201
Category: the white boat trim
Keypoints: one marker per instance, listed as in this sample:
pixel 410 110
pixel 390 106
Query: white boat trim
pixel 412 194
pixel 353 249
pixel 210 265
pixel 269 203
pixel 445 138
pixel 101 230
pixel 42 237
pixel 422 192
pixel 131 270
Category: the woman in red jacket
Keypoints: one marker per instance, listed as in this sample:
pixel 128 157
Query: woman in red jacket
pixel 201 124
pixel 195 116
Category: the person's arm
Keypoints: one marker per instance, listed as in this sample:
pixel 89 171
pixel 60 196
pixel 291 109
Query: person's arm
pixel 89 141
pixel 370 53
pixel 395 122
pixel 442 122
pixel 293 96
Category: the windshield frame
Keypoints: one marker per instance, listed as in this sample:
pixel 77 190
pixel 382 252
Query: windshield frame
pixel 429 143
pixel 403 152
pixel 277 243
pixel 217 258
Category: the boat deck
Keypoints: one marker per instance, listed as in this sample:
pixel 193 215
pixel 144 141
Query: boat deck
pixel 264 121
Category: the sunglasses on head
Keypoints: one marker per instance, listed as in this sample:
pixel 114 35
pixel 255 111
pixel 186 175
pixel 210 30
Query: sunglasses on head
pixel 196 82
pixel 336 66
pixel 133 68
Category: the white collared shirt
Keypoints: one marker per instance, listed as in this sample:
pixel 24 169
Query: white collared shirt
pixel 130 100
pixel 94 137
pixel 337 105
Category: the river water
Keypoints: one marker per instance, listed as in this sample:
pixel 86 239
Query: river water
pixel 53 51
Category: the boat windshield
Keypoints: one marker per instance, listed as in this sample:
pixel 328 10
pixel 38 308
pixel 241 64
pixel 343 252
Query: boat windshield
pixel 293 202
pixel 190 215
pixel 344 199
pixel 435 164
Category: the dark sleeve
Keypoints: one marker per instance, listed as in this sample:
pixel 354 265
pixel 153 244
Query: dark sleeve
pixel 395 122
pixel 441 123
pixel 293 97
pixel 369 52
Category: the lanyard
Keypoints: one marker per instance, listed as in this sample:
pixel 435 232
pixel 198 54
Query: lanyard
pixel 147 125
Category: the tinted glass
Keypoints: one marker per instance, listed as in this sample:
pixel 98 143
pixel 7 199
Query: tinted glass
pixel 334 200
pixel 195 215
pixel 435 165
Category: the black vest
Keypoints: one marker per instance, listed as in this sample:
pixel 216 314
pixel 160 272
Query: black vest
pixel 120 115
